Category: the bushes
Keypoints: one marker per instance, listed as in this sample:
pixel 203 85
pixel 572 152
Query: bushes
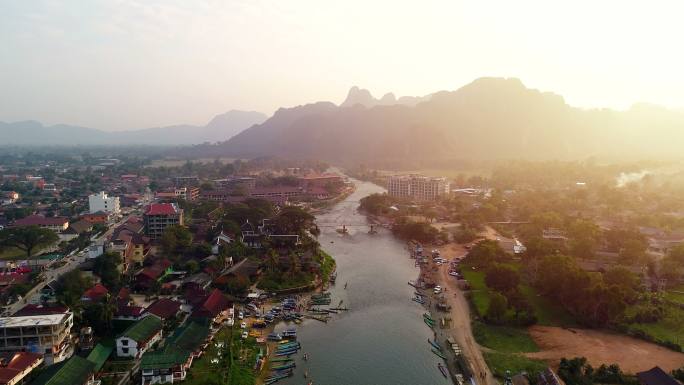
pixel 577 371
pixel 419 231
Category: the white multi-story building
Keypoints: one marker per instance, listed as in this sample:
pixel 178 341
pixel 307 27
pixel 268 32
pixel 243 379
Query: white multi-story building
pixel 102 202
pixel 417 187
pixel 46 334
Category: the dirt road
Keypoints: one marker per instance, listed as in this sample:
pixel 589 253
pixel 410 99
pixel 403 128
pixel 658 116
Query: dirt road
pixel 601 347
pixel 461 328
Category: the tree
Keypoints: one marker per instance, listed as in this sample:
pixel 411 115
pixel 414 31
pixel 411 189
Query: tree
pixel 176 239
pixel 106 267
pixel 485 253
pixel 498 304
pixel 72 286
pixel 272 261
pixel 502 278
pixel 191 266
pixel 294 220
pixel 27 238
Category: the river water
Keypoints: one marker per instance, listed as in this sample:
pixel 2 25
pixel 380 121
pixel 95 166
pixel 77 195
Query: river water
pixel 382 339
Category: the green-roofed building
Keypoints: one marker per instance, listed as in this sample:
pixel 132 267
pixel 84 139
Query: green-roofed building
pixel 170 364
pixel 99 356
pixel 75 371
pixel 138 338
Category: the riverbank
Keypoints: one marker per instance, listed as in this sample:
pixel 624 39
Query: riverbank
pixel 451 309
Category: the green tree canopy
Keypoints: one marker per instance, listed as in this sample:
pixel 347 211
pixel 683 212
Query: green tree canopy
pixel 27 238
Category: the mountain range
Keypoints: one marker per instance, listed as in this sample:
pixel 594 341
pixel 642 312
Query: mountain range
pixel 220 128
pixel 490 118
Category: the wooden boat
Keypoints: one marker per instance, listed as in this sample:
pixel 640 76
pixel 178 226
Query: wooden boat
pixel 428 317
pixel 419 300
pixel 284 366
pixel 281 359
pixel 428 323
pixel 412 283
pixel 443 370
pixel 435 344
pixel 438 353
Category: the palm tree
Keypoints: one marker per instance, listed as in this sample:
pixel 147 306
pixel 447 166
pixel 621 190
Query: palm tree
pixel 272 260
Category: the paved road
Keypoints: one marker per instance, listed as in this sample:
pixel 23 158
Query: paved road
pixel 72 262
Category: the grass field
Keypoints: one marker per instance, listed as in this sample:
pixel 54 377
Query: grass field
pixel 504 339
pixel 669 328
pixel 12 253
pixel 478 290
pixel 499 363
pixel 547 312
pixel 676 294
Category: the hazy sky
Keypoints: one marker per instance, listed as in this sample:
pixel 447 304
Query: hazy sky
pixel 132 64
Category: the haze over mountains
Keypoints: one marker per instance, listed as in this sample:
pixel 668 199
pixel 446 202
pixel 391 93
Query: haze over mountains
pixel 490 118
pixel 220 128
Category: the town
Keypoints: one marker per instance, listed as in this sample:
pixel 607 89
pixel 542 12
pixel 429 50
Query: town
pixel 116 273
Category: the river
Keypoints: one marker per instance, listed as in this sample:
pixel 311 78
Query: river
pixel 382 339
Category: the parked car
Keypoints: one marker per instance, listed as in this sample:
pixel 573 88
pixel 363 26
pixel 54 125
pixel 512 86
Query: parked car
pixel 243 325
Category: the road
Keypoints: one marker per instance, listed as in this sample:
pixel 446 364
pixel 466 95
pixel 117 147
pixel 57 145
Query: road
pixel 72 262
pixel 460 327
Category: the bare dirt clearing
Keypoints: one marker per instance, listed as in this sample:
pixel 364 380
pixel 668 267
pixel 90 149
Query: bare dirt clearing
pixel 601 347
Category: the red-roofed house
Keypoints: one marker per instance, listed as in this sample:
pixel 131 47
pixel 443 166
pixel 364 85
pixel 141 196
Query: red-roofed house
pixel 216 307
pixel 164 308
pixel 146 277
pixel 95 293
pixel 32 309
pixel 129 313
pixel 158 216
pixel 57 224
pixel 21 364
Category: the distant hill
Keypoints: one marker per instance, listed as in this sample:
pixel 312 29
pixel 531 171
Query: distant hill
pixel 491 118
pixel 363 97
pixel 221 128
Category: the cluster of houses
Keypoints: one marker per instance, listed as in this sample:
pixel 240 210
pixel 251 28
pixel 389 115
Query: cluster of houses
pixel 42 335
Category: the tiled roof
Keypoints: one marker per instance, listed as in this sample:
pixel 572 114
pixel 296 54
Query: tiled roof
pixel 161 209
pixel 32 309
pixel 39 220
pixel 214 304
pixel 129 311
pixel 177 348
pixel 99 355
pixel 143 330
pixel 96 292
pixel 164 308
pixel 656 376
pixel 156 270
pixel 75 371
pixel 19 363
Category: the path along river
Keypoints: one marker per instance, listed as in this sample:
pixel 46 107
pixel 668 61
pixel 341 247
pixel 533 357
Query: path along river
pixel 382 339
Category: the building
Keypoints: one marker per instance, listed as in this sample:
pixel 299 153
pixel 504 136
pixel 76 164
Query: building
pixel 186 193
pixel 18 367
pixel 656 376
pixel 170 364
pixel 164 309
pixel 47 334
pixel 146 278
pixel 159 216
pixel 99 217
pixel 215 307
pixel 417 187
pixel 76 371
pixel 102 202
pixel 139 337
pixel 56 224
